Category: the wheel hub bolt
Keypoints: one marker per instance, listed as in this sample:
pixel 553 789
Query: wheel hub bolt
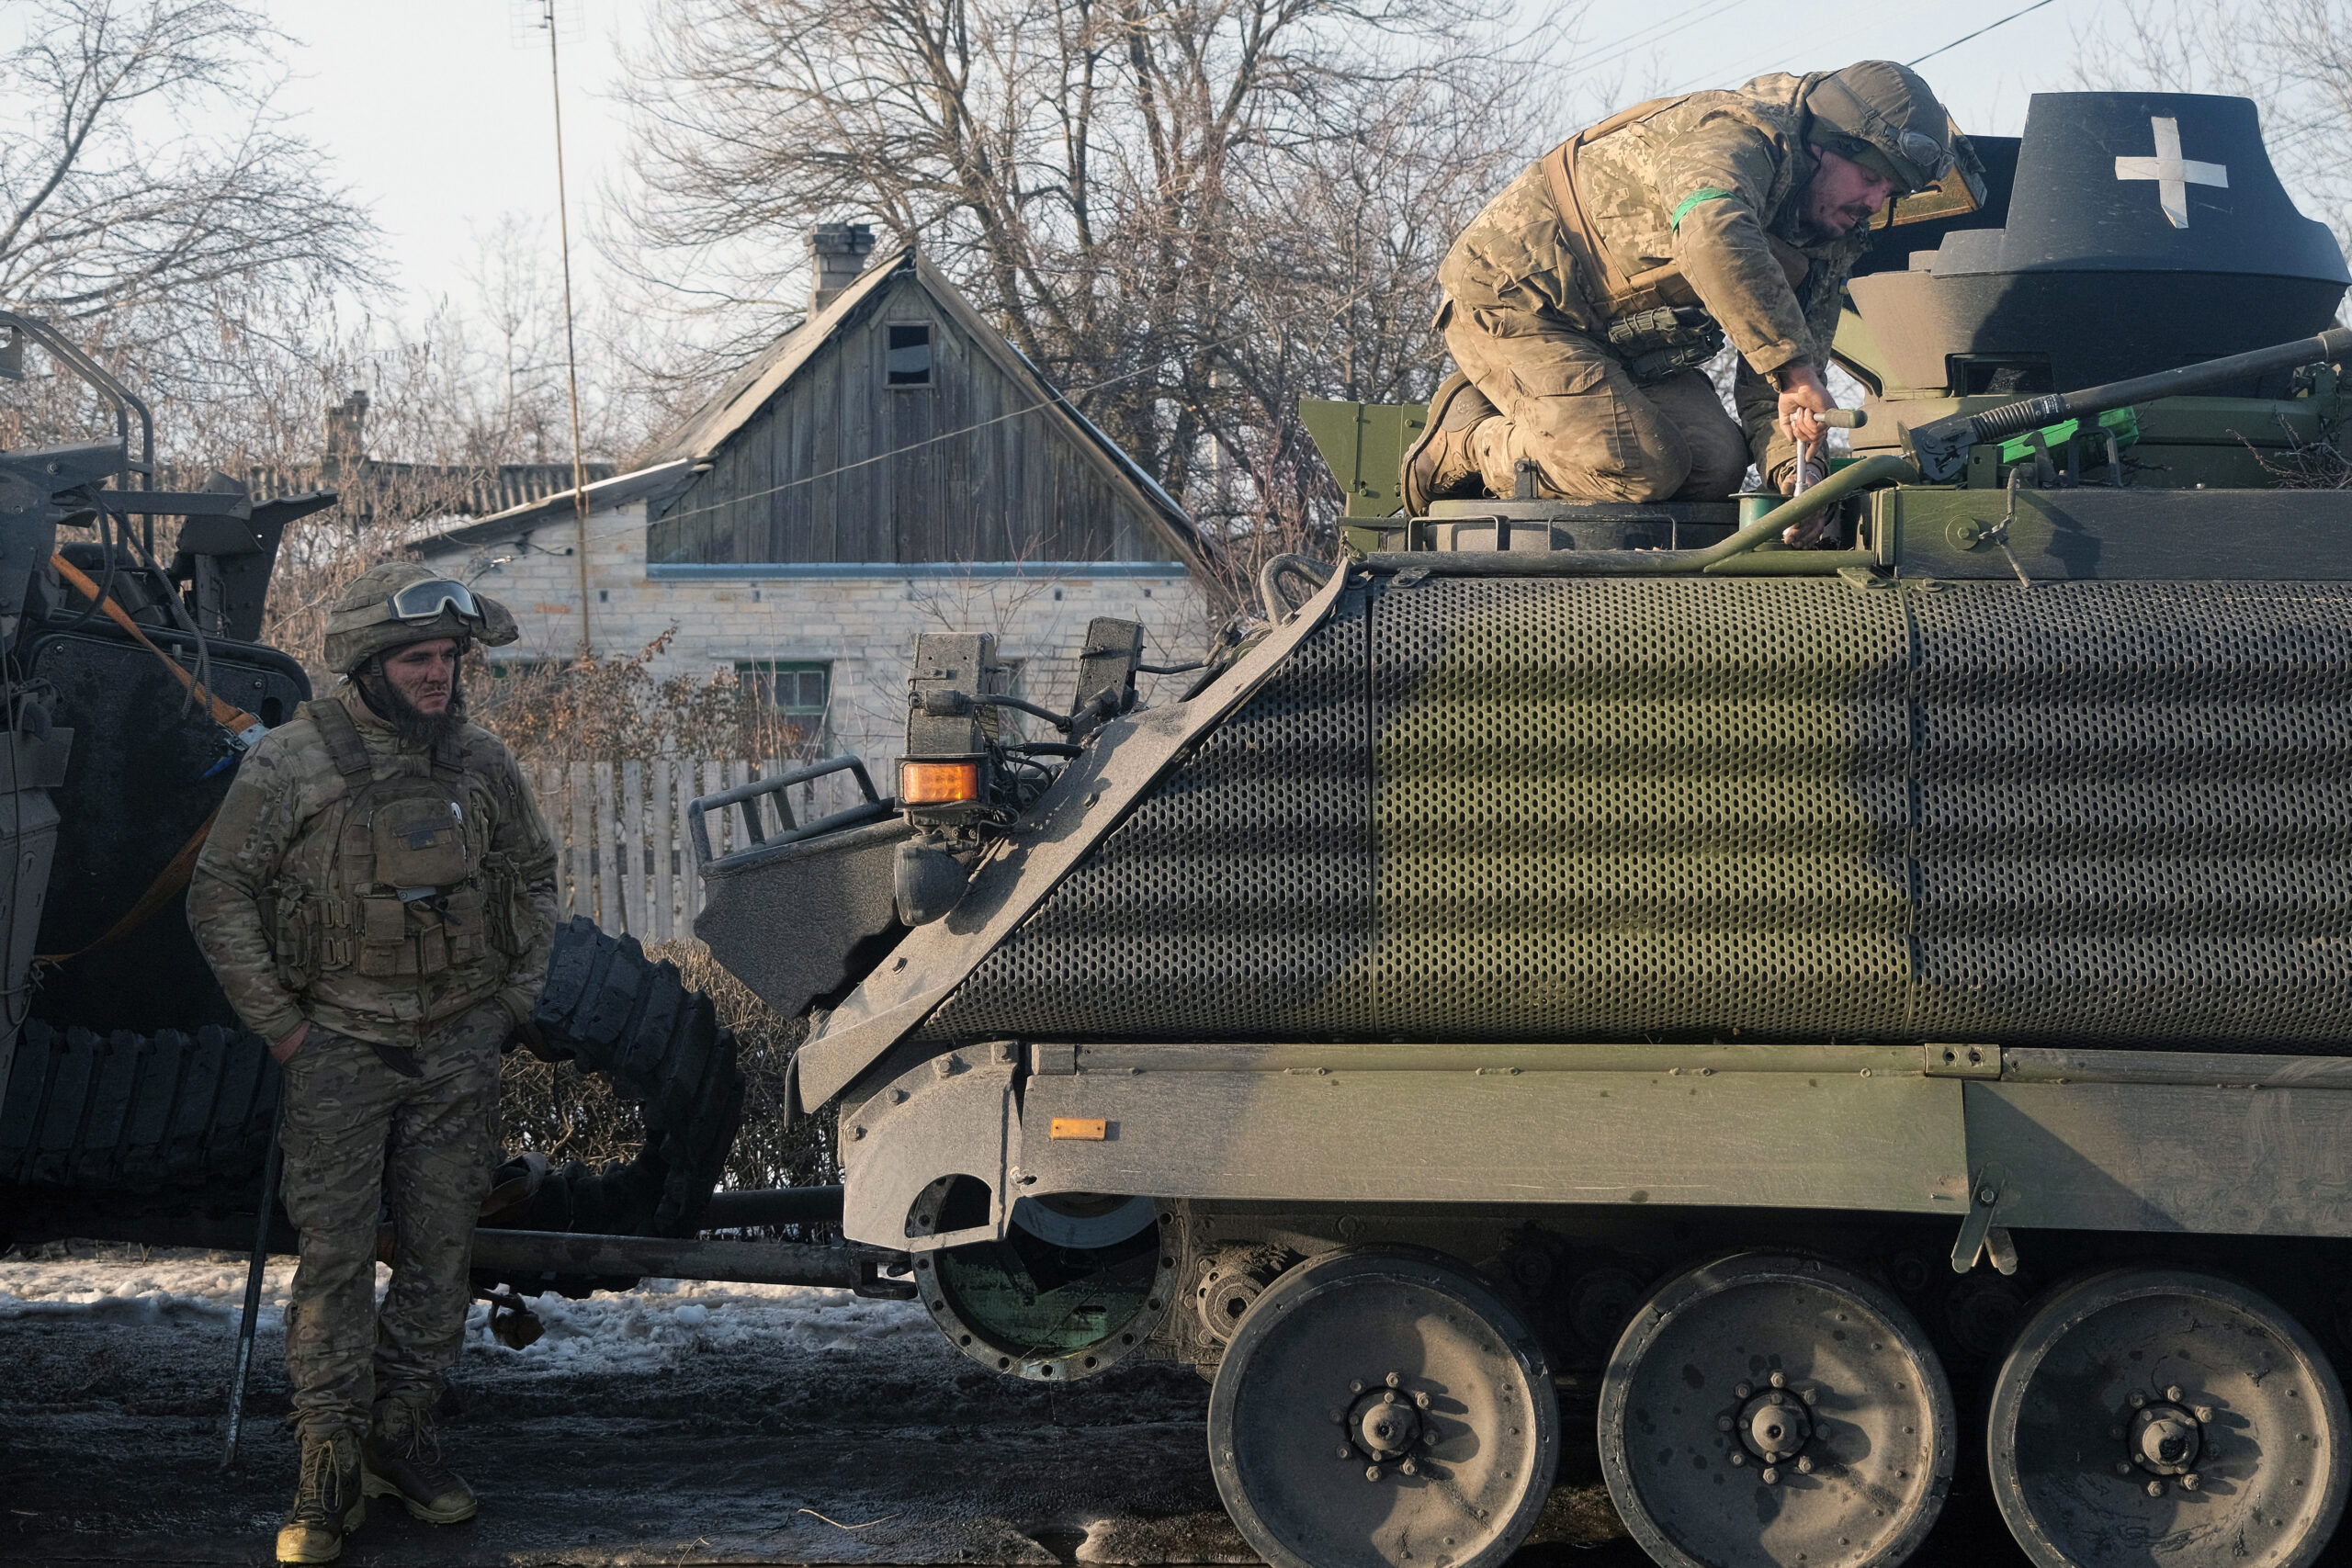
pixel 2204 1413
pixel 1421 1401
pixel 1804 1466
pixel 1738 1459
pixel 1770 1476
pixel 2173 1393
pixel 2189 1482
pixel 1345 1452
pixel 2155 1488
pixel 1372 1473
pixel 2139 1400
pixel 1743 1390
pixel 1780 1380
pixel 2123 1467
pixel 2164 1438
pixel 1384 1426
pixel 1723 1424
pixel 1396 1379
pixel 1409 1468
pixel 1356 1387
pixel 1774 1426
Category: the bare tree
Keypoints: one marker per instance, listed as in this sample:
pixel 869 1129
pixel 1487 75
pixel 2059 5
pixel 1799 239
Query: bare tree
pixel 1187 212
pixel 189 254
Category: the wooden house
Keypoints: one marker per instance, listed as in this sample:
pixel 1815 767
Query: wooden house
pixel 890 465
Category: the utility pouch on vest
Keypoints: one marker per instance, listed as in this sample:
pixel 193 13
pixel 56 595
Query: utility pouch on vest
pixel 464 924
pixel 384 947
pixel 420 841
pixel 1663 342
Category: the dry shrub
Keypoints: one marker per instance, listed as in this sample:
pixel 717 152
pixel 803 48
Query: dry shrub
pixel 611 708
pixel 2318 464
pixel 568 1114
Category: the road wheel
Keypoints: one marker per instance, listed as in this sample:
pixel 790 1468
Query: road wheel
pixel 2149 1411
pixel 1380 1410
pixel 1770 1409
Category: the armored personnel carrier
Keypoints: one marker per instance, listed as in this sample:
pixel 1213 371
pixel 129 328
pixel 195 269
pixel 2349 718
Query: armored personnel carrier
pixel 1830 1019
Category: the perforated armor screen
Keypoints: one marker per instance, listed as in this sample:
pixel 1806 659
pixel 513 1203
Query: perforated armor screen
pixel 2087 812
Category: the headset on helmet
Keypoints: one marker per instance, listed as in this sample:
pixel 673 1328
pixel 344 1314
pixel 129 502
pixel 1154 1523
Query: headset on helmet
pixel 393 604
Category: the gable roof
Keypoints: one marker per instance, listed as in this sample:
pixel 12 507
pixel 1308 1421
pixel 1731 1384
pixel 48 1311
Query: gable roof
pixel 750 390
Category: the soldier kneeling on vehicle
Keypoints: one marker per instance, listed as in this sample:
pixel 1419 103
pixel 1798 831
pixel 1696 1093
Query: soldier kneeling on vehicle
pixel 377 898
pixel 1582 303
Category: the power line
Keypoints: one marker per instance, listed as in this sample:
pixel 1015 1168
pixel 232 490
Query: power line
pixel 1980 33
pixel 1658 33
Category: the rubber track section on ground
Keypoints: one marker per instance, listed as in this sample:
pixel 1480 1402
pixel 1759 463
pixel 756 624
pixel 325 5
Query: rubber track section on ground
pixel 616 1012
pixel 123 1112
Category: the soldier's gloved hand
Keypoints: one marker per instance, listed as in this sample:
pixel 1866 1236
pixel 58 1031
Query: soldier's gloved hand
pixel 1784 476
pixel 1802 399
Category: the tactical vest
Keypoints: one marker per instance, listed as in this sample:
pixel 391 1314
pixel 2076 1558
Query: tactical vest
pixel 1654 317
pixel 396 882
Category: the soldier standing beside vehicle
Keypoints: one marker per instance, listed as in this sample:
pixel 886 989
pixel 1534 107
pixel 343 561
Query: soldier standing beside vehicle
pixel 377 898
pixel 1582 301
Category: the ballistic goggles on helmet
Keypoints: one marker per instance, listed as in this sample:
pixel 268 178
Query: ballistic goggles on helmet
pixel 423 602
pixel 1925 161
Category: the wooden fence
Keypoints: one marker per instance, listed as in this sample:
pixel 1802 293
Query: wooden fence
pixel 625 858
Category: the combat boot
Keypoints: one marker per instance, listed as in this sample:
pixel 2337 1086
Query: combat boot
pixel 328 1502
pixel 1439 465
pixel 402 1458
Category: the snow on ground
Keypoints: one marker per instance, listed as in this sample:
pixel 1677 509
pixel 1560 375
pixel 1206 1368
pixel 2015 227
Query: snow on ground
pixel 649 1327
pixel 662 1320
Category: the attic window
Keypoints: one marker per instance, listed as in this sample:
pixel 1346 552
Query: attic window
pixel 909 362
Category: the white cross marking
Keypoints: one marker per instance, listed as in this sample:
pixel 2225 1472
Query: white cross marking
pixel 2172 174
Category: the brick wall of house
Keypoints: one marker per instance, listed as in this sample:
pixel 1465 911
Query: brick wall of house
pixel 864 628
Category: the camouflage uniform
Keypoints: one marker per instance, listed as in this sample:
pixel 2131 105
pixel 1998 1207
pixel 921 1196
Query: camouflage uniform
pixel 1704 194
pixel 284 903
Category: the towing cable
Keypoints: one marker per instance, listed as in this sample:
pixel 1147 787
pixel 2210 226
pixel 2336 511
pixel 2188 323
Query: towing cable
pixel 243 729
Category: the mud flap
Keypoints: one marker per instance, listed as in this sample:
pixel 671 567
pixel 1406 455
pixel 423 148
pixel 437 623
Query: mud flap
pixel 954 1116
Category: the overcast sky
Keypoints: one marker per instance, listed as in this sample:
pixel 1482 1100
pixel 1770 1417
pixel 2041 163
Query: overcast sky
pixel 437 111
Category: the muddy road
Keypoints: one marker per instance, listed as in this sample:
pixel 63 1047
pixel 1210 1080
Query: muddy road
pixel 681 1423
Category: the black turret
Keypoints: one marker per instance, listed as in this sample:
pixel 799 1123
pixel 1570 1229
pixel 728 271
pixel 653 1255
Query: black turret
pixel 2126 233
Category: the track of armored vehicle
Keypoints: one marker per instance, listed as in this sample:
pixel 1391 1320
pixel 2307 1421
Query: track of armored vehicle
pixel 1826 1018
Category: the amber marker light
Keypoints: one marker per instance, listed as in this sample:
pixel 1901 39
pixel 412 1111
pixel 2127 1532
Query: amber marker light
pixel 938 783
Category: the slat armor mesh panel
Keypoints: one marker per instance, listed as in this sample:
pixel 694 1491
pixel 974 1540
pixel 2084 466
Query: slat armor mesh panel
pixel 1530 809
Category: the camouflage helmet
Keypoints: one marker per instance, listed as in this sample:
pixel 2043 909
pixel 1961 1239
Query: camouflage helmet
pixel 367 616
pixel 1885 117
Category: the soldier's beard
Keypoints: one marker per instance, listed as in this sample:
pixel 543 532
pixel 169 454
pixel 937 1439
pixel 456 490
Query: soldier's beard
pixel 409 722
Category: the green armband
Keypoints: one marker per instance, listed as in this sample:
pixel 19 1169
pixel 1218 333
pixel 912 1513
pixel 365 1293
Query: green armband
pixel 1693 199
